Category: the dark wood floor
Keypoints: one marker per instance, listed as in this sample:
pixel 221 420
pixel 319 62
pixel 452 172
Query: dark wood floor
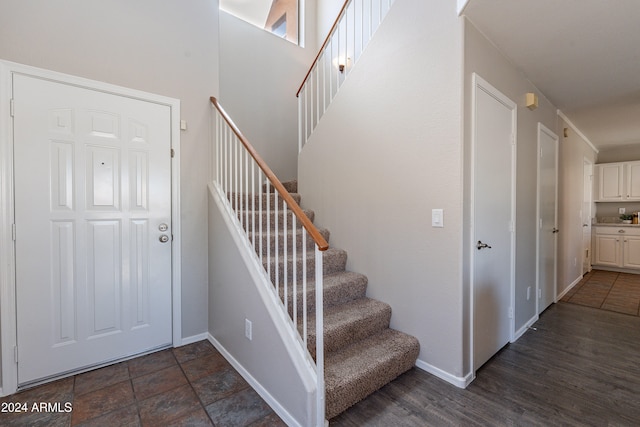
pixel 580 368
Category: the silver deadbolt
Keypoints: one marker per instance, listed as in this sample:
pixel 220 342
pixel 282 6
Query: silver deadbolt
pixel 481 245
pixel 163 227
pixel 164 238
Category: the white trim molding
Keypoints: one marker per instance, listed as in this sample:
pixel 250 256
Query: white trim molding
pixel 460 382
pixel 566 291
pixel 262 391
pixel 8 335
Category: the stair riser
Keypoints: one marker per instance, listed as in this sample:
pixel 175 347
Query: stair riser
pixel 252 201
pixel 332 262
pixel 398 358
pixel 290 186
pixel 251 219
pixel 270 243
pixel 367 325
pixel 347 290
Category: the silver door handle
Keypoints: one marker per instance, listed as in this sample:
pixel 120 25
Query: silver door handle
pixel 164 238
pixel 555 230
pixel 481 245
pixel 585 225
pixel 163 227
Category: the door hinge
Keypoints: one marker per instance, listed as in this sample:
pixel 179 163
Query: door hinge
pixel 173 153
pixel 510 313
pixel 13 232
pixel 15 353
pixel 11 107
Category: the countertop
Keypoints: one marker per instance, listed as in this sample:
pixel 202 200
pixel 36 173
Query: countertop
pixel 611 224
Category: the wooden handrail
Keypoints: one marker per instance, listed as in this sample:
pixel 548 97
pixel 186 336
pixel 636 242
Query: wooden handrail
pixel 333 27
pixel 295 208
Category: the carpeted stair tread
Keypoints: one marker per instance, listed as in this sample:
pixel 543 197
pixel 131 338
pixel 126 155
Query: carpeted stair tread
pixel 350 322
pixel 354 372
pixel 338 288
pixel 361 353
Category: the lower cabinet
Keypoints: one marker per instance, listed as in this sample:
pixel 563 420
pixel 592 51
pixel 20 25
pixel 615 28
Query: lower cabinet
pixel 617 247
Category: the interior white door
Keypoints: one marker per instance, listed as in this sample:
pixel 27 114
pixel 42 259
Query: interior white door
pixel 493 220
pixel 587 203
pixel 547 216
pixel 92 202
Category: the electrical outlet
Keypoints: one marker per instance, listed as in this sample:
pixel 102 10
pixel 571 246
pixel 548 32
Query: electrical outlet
pixel 248 329
pixel 621 210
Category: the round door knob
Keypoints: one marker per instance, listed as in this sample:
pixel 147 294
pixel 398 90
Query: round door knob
pixel 163 227
pixel 164 238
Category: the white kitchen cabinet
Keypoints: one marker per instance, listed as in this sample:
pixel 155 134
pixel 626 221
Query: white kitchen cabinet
pixel 617 182
pixel 631 251
pixel 608 250
pixel 632 173
pixel 617 247
pixel 610 186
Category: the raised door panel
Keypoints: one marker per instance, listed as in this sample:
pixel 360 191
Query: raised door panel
pixel 608 250
pixel 632 252
pixel 611 182
pixel 633 180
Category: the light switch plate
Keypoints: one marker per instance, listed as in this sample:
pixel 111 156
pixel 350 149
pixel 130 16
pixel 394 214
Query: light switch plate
pixel 437 218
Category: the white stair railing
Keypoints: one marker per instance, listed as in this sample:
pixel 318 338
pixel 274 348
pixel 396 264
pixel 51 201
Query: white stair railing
pixel 351 32
pixel 272 221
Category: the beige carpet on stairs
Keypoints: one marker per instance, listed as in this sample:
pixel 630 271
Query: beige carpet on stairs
pixel 362 353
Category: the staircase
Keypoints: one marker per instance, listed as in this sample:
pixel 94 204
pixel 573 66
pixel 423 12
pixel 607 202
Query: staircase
pixel 362 353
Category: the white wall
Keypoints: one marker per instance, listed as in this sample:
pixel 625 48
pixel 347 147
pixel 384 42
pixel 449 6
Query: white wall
pixel 327 12
pixel 259 78
pixel 386 152
pixel 573 151
pixel 482 57
pixel 168 47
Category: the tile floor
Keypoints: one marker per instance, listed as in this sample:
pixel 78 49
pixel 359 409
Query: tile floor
pixel 188 386
pixel 607 290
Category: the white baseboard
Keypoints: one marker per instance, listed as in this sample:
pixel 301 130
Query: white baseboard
pixel 563 293
pixel 460 382
pixel 264 393
pixel 524 328
pixel 194 338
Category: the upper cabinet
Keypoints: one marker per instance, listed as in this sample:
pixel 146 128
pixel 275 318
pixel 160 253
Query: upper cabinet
pixel 617 182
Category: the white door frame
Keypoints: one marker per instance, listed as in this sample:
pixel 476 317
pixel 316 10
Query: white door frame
pixel 478 83
pixel 543 129
pixel 587 201
pixel 8 332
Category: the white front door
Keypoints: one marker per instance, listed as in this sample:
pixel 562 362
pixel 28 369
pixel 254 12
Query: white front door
pixel 92 198
pixel 493 220
pixel 547 216
pixel 587 203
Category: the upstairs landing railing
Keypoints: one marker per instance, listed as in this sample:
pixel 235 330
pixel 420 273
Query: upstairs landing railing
pixel 351 32
pixel 272 223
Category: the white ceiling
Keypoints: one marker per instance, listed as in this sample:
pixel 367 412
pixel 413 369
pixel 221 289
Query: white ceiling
pixel 583 55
